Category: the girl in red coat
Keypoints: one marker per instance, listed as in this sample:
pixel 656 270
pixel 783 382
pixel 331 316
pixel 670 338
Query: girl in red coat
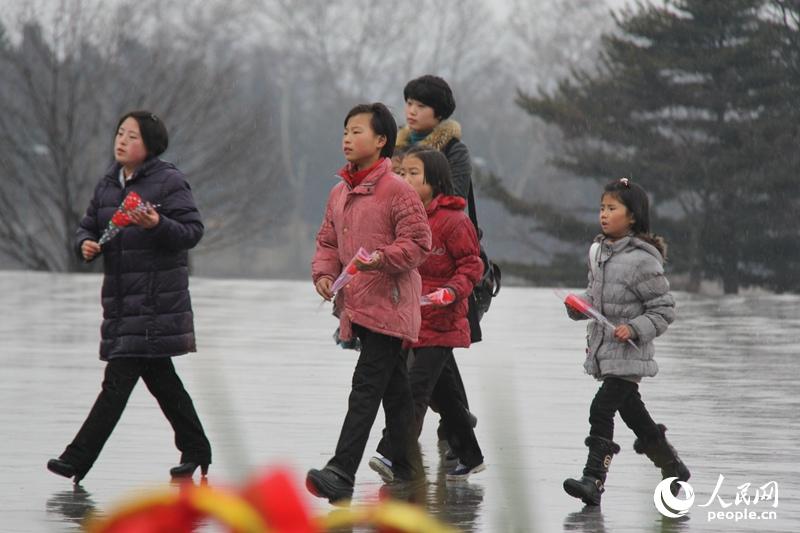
pixel 452 268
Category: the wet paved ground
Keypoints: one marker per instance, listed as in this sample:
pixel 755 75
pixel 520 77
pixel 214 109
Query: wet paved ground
pixel 271 387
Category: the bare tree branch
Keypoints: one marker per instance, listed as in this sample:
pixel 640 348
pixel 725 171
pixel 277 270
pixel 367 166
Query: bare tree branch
pixel 87 64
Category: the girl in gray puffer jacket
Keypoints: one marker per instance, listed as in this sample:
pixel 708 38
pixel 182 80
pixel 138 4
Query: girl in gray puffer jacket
pixel 627 285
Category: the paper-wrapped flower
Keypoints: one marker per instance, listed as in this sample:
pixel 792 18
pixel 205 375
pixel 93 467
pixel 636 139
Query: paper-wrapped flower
pixel 121 219
pixel 132 201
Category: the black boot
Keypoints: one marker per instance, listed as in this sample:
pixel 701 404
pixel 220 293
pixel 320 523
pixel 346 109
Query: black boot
pixel 660 451
pixel 590 486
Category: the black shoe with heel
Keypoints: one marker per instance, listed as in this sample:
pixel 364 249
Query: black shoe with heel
pixel 187 469
pixel 63 468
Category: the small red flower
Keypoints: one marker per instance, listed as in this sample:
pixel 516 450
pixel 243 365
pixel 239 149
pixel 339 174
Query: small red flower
pixel 121 219
pixel 577 303
pixel 132 201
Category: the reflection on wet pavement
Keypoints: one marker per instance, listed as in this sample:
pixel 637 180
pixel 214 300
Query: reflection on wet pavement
pixel 71 506
pixel 271 388
pixel 587 520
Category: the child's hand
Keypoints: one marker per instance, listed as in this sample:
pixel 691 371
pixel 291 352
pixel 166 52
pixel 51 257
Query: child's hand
pixel 373 264
pixel 324 288
pixel 450 297
pixel 89 250
pixel 622 333
pixel 573 314
pixel 442 297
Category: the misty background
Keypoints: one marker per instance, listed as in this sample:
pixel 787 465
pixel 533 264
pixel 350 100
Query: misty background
pixel 254 92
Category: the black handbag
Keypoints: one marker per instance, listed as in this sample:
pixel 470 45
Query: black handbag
pixel 489 284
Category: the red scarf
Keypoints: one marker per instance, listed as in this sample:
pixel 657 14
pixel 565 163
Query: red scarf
pixel 354 179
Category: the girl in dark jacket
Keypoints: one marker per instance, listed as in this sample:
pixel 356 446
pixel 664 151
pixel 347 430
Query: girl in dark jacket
pixel 453 266
pixel 147 312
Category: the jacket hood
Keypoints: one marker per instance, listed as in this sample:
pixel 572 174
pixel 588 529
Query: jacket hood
pixel 631 240
pixel 443 133
pixel 647 247
pixel 446 202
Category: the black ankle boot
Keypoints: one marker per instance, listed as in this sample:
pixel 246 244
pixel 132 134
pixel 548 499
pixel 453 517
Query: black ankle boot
pixel 187 469
pixel 591 486
pixel 63 468
pixel 660 451
pixel 587 488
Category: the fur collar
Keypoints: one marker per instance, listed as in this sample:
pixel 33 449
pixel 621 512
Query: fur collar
pixel 442 134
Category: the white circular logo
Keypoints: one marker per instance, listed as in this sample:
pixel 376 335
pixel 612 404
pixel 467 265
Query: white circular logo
pixel 669 505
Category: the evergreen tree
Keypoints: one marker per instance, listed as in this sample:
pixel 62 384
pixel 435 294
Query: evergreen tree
pixel 692 100
pixel 779 251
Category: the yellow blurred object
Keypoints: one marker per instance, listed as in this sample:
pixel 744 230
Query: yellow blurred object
pixel 228 508
pixel 101 524
pixel 406 517
pixel 399 516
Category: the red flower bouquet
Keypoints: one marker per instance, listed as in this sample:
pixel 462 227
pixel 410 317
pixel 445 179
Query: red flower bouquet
pixel 131 203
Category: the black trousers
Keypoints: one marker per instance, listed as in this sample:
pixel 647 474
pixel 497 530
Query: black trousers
pixel 619 395
pixel 164 384
pixel 380 375
pixel 443 431
pixel 432 378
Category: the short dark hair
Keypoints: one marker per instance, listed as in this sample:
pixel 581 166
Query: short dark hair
pixel 382 123
pixel 437 169
pixel 432 91
pixel 152 129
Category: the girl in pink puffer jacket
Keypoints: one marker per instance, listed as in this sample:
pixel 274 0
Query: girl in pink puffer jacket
pixel 375 209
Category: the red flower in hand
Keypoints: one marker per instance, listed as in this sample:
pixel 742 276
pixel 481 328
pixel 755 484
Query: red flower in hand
pixel 121 219
pixel 132 201
pixel 577 303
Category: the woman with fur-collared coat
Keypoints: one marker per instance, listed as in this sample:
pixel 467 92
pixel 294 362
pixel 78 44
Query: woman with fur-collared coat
pixel 147 311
